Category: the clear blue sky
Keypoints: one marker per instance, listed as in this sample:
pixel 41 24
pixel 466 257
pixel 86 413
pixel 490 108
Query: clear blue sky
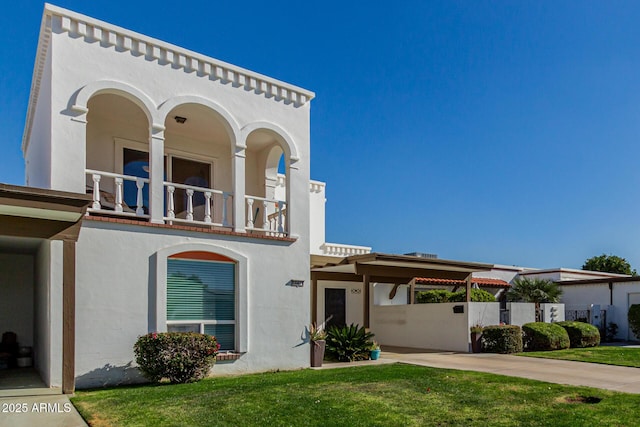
pixel 504 132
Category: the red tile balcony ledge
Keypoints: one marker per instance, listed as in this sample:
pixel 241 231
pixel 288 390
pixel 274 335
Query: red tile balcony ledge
pixel 254 234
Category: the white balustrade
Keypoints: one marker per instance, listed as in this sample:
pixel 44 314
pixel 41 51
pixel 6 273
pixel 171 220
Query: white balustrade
pixel 273 216
pixel 336 249
pixel 113 201
pixel 198 204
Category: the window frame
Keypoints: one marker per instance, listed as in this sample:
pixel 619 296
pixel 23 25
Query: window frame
pixel 158 314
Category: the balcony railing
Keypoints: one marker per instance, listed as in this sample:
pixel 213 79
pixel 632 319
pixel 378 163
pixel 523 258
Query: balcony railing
pixel 127 195
pixel 188 203
pixel 108 202
pixel 268 215
pixel 336 249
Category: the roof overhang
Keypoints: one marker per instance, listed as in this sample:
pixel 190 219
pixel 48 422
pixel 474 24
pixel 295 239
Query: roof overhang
pixel 41 213
pixel 386 268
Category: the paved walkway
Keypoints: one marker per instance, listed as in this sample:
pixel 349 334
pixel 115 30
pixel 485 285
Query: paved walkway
pixel 617 378
pixel 39 411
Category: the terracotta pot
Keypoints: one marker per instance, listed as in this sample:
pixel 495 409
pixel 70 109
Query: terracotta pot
pixel 317 353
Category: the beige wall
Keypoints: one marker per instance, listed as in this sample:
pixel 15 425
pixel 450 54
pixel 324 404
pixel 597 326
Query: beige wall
pixel 354 300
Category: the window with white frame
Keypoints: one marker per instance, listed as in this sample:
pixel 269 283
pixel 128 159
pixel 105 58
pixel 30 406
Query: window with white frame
pixel 201 295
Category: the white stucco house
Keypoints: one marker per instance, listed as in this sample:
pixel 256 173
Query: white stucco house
pixel 180 187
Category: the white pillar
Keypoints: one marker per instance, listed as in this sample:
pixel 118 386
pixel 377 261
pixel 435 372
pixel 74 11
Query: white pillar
pixel 239 190
pixel 156 174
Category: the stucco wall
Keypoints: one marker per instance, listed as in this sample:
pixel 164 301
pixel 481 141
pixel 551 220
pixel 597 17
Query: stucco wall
pixel 381 293
pixel 116 297
pixel 38 155
pixel 430 326
pixel 521 313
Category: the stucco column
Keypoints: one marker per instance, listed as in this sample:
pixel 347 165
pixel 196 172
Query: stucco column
pixel 68 316
pixel 156 174
pixel 298 205
pixel 68 155
pixel 239 189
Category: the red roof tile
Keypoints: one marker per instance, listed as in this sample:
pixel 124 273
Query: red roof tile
pixel 480 281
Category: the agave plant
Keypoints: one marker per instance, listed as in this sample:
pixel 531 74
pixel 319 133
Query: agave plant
pixel 348 343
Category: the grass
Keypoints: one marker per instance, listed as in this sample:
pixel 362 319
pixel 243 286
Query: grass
pixel 620 356
pixel 383 395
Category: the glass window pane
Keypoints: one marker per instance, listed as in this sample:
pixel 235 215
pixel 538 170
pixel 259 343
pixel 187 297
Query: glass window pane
pixel 225 334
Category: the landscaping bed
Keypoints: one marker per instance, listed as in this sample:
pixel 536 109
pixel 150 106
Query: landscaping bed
pixel 383 395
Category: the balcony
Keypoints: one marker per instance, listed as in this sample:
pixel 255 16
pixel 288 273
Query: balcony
pixel 193 171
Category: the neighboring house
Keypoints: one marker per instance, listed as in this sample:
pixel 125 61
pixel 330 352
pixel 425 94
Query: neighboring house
pixel 190 225
pixel 602 301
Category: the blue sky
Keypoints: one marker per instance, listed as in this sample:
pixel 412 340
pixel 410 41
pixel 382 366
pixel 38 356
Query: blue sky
pixel 495 131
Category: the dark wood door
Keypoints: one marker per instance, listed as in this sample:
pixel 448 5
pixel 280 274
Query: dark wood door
pixel 335 306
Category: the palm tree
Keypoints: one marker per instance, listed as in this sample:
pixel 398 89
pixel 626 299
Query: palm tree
pixel 534 290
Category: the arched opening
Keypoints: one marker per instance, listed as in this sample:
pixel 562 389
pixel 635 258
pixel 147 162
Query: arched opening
pixel 201 295
pixel 267 169
pixel 198 165
pixel 117 149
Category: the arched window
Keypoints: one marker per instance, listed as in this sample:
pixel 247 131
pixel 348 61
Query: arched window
pixel 201 295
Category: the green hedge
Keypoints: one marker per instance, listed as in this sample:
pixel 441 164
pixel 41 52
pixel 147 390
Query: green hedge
pixel 581 334
pixel 634 319
pixel 441 295
pixel 477 295
pixel 539 336
pixel 502 339
pixel 434 296
pixel 179 357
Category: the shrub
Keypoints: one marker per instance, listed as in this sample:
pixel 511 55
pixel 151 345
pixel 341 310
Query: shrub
pixel 477 295
pixel 434 296
pixel 502 339
pixel 348 343
pixel 539 336
pixel 179 357
pixel 634 319
pixel 581 334
pixel 612 331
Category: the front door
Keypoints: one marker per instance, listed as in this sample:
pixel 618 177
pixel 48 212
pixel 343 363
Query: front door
pixel 335 306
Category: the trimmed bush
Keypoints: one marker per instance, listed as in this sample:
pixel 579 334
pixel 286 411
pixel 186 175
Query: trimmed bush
pixel 502 339
pixel 634 319
pixel 440 295
pixel 180 357
pixel 348 343
pixel 539 336
pixel 434 296
pixel 581 334
pixel 477 295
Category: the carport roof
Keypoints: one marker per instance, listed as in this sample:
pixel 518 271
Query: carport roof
pixel 393 268
pixel 40 213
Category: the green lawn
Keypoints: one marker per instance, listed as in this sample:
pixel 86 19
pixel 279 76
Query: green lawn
pixel 621 356
pixel 382 395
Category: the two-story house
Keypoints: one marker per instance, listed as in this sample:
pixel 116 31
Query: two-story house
pixel 198 212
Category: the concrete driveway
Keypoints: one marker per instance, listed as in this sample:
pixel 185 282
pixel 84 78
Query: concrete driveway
pixel 616 378
pixel 39 411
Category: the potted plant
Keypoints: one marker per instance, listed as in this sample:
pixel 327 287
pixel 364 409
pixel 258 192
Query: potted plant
pixel 317 337
pixel 375 350
pixel 476 338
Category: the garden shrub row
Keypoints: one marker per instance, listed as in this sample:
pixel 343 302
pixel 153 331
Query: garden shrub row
pixel 538 336
pixel 581 334
pixel 441 295
pixel 502 339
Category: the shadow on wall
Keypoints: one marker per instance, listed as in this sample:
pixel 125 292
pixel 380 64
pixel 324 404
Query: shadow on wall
pixel 110 375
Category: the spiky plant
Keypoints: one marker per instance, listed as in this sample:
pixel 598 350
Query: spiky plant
pixel 534 290
pixel 348 343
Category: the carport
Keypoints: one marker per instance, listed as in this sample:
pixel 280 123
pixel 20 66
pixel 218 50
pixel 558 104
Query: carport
pixel 38 233
pixel 359 272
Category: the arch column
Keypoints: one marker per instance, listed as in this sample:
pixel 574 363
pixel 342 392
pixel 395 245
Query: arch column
pixel 156 174
pixel 239 188
pixel 297 194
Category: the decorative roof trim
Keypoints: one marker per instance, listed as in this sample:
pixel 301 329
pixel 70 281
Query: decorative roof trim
pixel 77 25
